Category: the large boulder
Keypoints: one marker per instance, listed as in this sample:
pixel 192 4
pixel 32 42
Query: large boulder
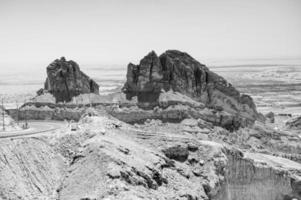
pixel 178 152
pixel 65 80
pixel 178 71
pixel 270 117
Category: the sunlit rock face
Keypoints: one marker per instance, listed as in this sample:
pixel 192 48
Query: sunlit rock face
pixel 178 71
pixel 30 169
pixel 65 80
pixel 258 176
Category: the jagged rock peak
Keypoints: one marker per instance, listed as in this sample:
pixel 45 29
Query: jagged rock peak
pixel 65 80
pixel 180 72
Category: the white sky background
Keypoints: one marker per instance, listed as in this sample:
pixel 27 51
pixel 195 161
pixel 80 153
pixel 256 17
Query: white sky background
pixel 122 31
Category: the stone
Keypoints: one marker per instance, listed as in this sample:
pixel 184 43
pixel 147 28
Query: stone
pixel 178 71
pixel 294 123
pixel 41 91
pixel 65 80
pixel 197 171
pixel 270 117
pixel 114 172
pixel 178 153
pixel 190 122
pixel 192 147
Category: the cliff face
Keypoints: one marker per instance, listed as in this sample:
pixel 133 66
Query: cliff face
pixel 258 176
pixel 178 71
pixel 175 107
pixel 65 80
pixel 28 112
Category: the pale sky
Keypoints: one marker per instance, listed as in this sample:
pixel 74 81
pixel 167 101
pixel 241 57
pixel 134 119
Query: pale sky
pixel 122 31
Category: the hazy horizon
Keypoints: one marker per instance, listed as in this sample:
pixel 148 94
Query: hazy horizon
pixel 118 32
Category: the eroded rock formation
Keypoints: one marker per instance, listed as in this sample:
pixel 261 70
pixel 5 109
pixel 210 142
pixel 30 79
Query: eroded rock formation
pixel 65 80
pixel 178 71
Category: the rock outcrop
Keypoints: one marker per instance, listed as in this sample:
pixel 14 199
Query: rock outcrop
pixel 178 153
pixel 44 112
pixel 270 117
pixel 294 123
pixel 178 71
pixel 65 80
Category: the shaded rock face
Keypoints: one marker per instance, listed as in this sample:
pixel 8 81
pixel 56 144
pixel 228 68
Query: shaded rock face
pixel 65 80
pixel 146 79
pixel 178 71
pixel 178 153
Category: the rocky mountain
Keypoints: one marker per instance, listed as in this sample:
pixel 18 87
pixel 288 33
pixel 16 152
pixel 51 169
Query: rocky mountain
pixel 178 71
pixel 176 131
pixel 170 87
pixel 65 80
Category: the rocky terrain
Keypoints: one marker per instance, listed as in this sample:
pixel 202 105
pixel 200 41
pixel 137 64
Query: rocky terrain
pixel 7 123
pixel 175 131
pixel 108 159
